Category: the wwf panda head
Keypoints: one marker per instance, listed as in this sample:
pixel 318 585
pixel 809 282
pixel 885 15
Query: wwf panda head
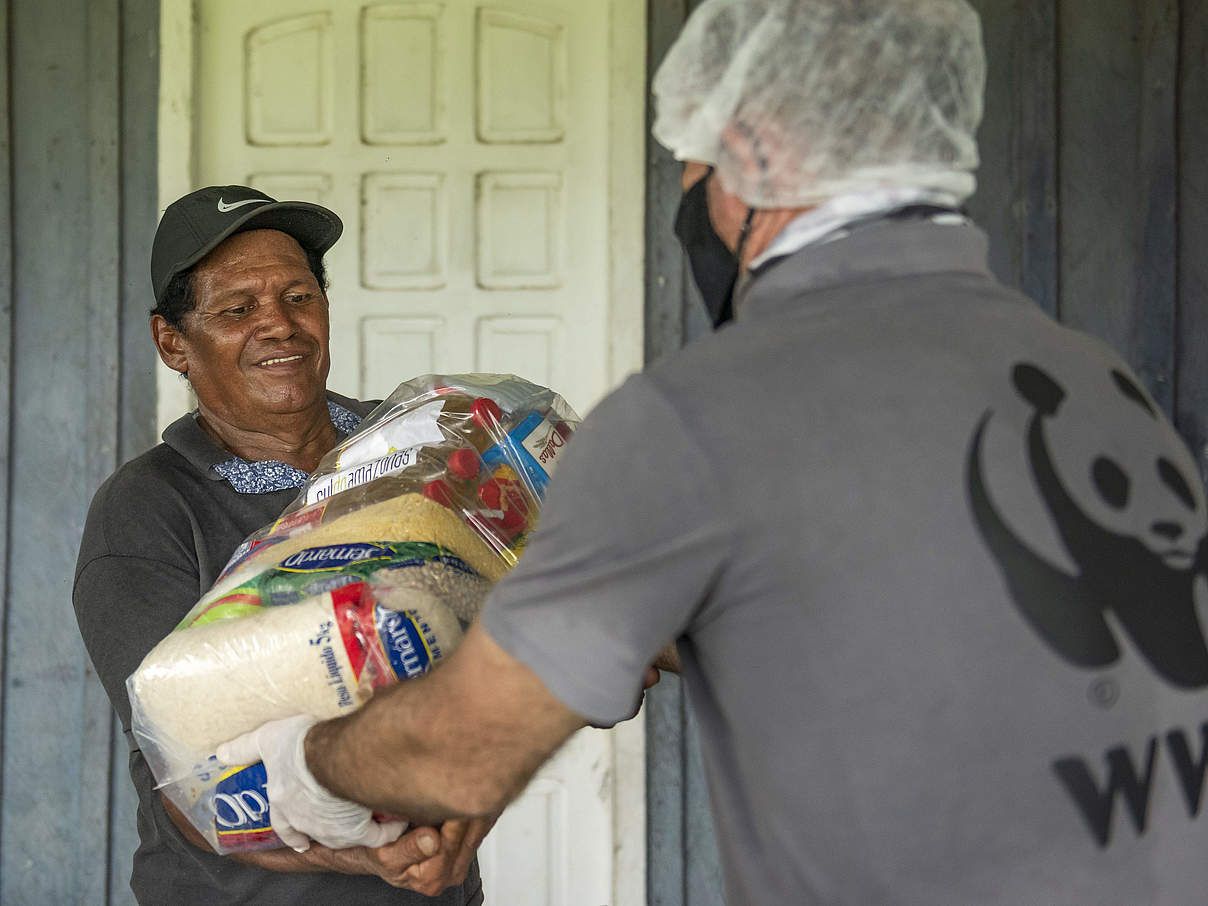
pixel 1119 460
pixel 1125 501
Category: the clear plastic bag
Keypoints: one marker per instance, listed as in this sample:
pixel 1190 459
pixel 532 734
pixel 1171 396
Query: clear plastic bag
pixel 480 447
pixel 351 642
pixel 369 577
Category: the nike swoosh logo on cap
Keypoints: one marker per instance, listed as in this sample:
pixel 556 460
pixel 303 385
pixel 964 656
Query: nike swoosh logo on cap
pixel 224 207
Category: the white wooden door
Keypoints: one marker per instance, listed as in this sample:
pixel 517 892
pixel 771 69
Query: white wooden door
pixel 486 160
pixel 464 144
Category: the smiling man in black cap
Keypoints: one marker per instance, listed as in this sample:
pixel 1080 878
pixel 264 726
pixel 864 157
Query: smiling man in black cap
pixel 241 311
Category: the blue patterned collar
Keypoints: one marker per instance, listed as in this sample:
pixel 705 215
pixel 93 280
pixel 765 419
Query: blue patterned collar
pixel 248 477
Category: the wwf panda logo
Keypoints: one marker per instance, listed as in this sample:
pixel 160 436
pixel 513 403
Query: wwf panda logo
pixel 1144 570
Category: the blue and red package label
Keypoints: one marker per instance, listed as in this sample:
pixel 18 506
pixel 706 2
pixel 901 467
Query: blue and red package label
pixel 535 444
pixel 407 641
pixel 241 809
pixel 334 556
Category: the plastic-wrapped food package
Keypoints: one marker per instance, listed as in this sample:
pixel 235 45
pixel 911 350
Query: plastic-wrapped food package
pixel 369 577
pixel 321 656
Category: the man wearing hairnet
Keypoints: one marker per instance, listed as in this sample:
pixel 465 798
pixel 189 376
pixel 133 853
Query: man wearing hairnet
pixel 931 562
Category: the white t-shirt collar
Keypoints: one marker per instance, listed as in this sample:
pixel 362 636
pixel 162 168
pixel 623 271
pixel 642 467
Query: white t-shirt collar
pixel 828 220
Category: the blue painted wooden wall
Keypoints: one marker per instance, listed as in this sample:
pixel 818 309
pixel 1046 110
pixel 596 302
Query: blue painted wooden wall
pixel 77 204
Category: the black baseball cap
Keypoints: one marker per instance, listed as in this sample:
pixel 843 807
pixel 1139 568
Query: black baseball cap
pixel 195 225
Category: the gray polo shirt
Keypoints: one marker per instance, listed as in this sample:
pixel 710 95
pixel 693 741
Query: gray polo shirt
pixel 932 562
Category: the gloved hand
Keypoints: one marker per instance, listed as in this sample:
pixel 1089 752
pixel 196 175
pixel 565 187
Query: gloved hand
pixel 298 806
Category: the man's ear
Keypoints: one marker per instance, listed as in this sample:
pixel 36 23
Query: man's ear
pixel 170 344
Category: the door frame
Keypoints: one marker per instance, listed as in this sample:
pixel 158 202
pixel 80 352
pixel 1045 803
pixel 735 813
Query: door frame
pixel 177 169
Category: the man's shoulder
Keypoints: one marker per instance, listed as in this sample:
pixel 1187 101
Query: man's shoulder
pixel 660 414
pixel 129 500
pixel 705 376
pixel 143 476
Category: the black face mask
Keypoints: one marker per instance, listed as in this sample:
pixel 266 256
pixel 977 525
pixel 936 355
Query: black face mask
pixel 714 266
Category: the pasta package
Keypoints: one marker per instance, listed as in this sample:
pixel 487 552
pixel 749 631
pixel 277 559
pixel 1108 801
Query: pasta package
pixel 368 578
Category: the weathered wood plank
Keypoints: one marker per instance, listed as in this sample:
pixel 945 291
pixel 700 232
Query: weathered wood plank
pixel 703 884
pixel 1016 197
pixel 665 794
pixel 136 413
pixel 1191 391
pixel 140 213
pixel 1153 327
pixel 6 315
pixel 991 204
pixel 55 754
pixel 663 334
pixel 1098 75
pixel 1035 144
pixel 1117 77
pixel 680 843
pixel 104 405
pixel 123 826
pixel 665 273
pixel 995 205
pixel 693 316
pixel 103 398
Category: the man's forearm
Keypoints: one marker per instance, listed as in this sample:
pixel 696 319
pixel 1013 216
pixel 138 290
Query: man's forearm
pixel 459 743
pixel 381 764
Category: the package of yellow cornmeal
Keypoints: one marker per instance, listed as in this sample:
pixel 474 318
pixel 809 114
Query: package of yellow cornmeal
pixel 403 532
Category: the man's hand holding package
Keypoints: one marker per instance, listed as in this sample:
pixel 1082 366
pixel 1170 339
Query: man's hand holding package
pixel 426 860
pixel 459 842
pixel 302 810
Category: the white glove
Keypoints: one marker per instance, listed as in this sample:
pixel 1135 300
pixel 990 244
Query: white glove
pixel 298 806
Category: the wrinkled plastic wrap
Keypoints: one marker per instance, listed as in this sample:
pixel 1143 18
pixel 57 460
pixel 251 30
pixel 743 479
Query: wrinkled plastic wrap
pixel 369 577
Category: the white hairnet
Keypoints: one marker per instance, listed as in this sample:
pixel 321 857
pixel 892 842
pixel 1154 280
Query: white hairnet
pixel 797 101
